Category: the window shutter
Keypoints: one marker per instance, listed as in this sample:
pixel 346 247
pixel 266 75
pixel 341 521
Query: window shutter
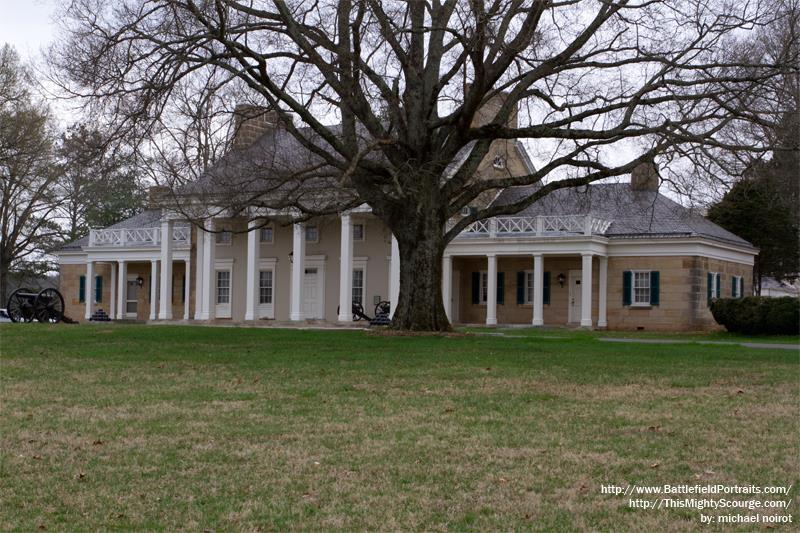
pixel 719 293
pixel 709 282
pixel 734 286
pixel 627 284
pixel 476 288
pixel 546 289
pixel 741 287
pixel 98 289
pixel 82 289
pixel 183 289
pixel 520 288
pixel 501 288
pixel 655 295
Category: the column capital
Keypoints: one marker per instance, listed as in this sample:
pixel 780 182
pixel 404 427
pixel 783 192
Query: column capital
pixel 491 254
pixel 587 254
pixel 537 254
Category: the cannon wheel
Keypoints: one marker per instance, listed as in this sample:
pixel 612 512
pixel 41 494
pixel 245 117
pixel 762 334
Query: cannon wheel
pixel 383 307
pixel 358 311
pixel 19 308
pixel 49 306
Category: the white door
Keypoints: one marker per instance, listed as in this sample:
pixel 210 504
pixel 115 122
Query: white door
pixel 131 297
pixel 311 294
pixel 575 296
pixel 223 292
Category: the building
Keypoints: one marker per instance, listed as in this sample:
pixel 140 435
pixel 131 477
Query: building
pixel 618 256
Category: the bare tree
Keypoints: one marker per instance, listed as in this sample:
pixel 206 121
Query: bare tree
pixel 387 99
pixel 27 175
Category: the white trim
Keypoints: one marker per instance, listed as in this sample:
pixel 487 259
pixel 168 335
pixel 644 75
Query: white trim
pixel 716 281
pixel 223 310
pixel 649 276
pixel 316 261
pixel 525 286
pixel 360 263
pixel 128 315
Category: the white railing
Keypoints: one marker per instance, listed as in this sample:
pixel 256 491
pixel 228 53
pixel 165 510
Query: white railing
pixel 543 225
pixel 137 237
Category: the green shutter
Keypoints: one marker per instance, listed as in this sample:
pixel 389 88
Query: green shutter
pixel 734 286
pixel 719 293
pixel 98 289
pixel 741 287
pixel 476 288
pixel 655 287
pixel 82 290
pixel 627 284
pixel 501 288
pixel 546 289
pixel 520 288
pixel 709 281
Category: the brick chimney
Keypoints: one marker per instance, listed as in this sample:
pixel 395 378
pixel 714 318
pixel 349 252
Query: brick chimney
pixel 156 195
pixel 645 177
pixel 251 122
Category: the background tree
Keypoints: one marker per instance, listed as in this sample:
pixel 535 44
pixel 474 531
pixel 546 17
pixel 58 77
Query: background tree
pixel 375 94
pixel 97 183
pixel 27 173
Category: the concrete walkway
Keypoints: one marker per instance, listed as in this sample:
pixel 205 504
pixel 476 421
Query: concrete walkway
pixel 768 345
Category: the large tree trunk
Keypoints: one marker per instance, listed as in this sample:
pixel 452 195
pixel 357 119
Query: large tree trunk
pixel 421 244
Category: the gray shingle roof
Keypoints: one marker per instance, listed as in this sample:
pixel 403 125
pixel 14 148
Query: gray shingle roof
pixel 632 213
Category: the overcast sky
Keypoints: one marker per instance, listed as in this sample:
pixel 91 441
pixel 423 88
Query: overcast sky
pixel 27 24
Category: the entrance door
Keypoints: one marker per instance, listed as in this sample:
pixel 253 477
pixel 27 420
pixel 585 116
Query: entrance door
pixel 131 297
pixel 311 294
pixel 575 277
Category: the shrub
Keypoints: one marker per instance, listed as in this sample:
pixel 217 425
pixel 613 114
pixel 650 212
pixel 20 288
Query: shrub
pixel 755 315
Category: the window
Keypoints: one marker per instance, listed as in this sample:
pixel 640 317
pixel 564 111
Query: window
pixel 529 286
pixel 98 289
pixel 358 232
pixel 265 287
pixel 358 286
pixel 224 238
pixel 312 234
pixel 223 286
pixel 499 162
pixel 82 289
pixel 267 235
pixel 484 287
pixel 737 287
pixel 713 285
pixel 641 287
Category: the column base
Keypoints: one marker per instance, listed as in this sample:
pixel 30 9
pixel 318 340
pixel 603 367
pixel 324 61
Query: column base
pixel 165 316
pixel 538 323
pixel 586 323
pixel 249 318
pixel 297 317
pixel 491 321
pixel 152 317
pixel 344 318
pixel 602 324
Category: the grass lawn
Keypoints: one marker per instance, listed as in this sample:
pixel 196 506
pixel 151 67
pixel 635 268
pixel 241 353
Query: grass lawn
pixel 200 428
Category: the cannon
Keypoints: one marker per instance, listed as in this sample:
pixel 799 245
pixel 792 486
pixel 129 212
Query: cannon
pixel 381 313
pixel 45 306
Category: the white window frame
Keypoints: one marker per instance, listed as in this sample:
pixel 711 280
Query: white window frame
pixel 316 229
pixel 360 263
pixel 223 310
pixel 363 232
pixel 528 287
pixel 739 283
pixel 715 280
pixel 362 289
pixel 648 276
pixel 267 310
pixel 483 287
pixel 224 238
pixel 261 235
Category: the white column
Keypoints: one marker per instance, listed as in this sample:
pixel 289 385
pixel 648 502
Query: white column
pixel 88 293
pixel 122 290
pixel 186 291
pixel 154 289
pixel 447 285
pixel 165 301
pixel 538 290
pixel 298 271
pixel 586 291
pixel 253 260
pixel 112 289
pixel 602 295
pixel 198 284
pixel 491 291
pixel 346 271
pixel 394 277
pixel 209 275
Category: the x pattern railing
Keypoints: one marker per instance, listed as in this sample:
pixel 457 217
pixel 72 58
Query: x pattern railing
pixel 544 225
pixel 137 237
